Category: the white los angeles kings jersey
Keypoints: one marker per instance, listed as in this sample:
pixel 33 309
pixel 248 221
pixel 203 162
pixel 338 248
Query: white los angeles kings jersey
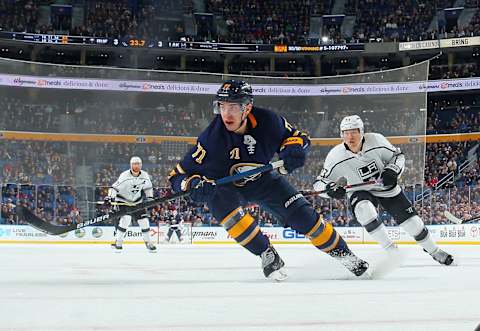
pixel 367 164
pixel 128 188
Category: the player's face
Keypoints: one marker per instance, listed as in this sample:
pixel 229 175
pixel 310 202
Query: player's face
pixel 352 138
pixel 136 167
pixel 231 113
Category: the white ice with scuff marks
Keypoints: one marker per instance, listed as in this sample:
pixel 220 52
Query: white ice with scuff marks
pixel 89 287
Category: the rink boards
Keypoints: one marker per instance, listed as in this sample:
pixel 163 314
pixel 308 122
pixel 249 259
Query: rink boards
pixel 443 234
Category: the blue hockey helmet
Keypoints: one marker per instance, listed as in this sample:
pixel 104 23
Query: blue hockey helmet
pixel 232 90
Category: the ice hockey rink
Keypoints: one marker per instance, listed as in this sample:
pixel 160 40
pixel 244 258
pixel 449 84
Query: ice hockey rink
pixel 206 287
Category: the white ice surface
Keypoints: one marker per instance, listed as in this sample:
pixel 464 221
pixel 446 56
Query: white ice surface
pixel 89 287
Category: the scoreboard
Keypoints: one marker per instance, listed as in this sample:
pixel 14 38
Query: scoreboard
pixel 186 45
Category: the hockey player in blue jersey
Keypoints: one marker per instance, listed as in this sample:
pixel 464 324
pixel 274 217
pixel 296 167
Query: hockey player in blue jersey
pixel 242 137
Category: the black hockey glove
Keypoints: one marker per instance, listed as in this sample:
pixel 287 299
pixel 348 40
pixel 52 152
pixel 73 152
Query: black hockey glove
pixel 107 202
pixel 390 175
pixel 293 155
pixel 335 191
pixel 201 190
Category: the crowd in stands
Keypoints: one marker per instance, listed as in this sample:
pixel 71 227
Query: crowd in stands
pixel 453 115
pixel 175 116
pixel 108 18
pixel 392 20
pixel 265 22
pixel 462 70
pixel 21 16
pixel 463 202
pixel 60 203
pixel 40 162
pixel 116 117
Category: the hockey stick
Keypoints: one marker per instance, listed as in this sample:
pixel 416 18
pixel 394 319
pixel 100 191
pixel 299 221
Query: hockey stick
pixel 53 229
pixel 346 187
pixel 457 220
pixel 113 203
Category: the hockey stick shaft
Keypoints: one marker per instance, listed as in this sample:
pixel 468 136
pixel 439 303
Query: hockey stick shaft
pixel 113 203
pixel 346 187
pixel 49 228
pixel 240 175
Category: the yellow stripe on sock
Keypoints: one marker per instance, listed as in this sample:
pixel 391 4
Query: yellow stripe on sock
pixel 324 236
pixel 242 225
pixel 250 236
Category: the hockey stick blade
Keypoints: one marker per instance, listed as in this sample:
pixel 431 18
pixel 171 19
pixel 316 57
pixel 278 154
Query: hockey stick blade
pixel 452 218
pixel 49 228
pixel 53 229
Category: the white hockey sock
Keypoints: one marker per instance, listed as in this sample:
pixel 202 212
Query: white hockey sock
pixel 146 236
pixel 145 226
pixel 380 235
pixel 119 236
pixel 416 228
pixel 367 216
pixel 122 227
pixel 428 244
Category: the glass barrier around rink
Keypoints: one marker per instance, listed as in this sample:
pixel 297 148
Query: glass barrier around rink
pixel 64 205
pixel 78 126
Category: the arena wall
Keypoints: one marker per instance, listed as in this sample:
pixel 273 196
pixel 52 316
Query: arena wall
pixel 465 234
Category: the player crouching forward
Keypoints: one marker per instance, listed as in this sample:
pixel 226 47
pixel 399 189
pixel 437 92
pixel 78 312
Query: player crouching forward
pixel 242 137
pixel 363 157
pixel 129 190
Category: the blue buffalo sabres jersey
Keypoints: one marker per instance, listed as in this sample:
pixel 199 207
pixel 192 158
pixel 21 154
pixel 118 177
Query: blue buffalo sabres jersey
pixel 219 153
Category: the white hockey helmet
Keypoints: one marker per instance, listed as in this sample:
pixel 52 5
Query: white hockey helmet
pixel 350 123
pixel 135 159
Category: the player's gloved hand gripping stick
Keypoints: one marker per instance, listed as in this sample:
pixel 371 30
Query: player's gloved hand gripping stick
pixel 43 225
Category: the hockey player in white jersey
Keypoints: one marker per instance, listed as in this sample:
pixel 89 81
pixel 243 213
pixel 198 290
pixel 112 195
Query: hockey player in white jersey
pixel 363 157
pixel 132 187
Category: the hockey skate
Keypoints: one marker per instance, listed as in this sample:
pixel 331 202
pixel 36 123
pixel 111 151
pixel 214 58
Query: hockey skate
pixel 118 247
pixel 273 265
pixel 353 263
pixel 151 247
pixel 442 257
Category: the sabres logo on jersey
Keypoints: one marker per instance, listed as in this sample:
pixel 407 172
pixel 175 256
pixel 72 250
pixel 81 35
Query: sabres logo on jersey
pixel 242 167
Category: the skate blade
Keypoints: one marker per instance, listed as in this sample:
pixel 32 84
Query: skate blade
pixel 116 250
pixel 278 275
pixel 453 264
pixel 368 274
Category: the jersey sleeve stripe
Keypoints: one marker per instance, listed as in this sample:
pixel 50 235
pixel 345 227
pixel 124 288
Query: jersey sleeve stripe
pixel 331 169
pixel 371 149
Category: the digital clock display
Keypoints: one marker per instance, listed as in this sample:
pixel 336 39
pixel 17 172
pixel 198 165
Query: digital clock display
pixel 136 42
